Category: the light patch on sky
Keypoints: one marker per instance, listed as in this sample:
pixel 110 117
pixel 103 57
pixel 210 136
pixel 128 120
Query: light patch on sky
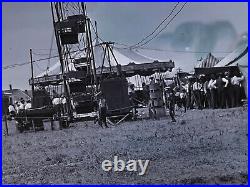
pixel 208 27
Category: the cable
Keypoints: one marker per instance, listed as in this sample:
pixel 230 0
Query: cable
pixel 41 59
pixel 51 45
pixel 97 36
pixel 38 67
pixel 177 51
pixel 163 27
pixel 127 46
pixel 157 26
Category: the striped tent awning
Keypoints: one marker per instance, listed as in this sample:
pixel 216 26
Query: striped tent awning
pixel 208 62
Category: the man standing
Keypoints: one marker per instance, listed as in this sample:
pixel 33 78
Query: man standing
pixel 212 88
pixel 197 86
pixel 64 104
pixel 183 98
pixel 102 111
pixel 220 88
pixel 207 95
pixel 235 81
pixel 227 91
pixel 145 89
pixel 12 110
pixel 57 106
pixel 171 105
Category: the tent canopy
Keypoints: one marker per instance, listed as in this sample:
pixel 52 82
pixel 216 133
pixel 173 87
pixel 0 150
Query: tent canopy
pixel 208 62
pixel 237 54
pixel 123 56
pixel 215 70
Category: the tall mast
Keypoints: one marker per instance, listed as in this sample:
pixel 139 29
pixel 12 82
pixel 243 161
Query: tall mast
pixel 73 38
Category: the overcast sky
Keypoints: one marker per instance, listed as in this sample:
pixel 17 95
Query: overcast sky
pixel 200 27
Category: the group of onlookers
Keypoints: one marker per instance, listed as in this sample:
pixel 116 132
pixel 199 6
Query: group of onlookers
pixel 212 91
pixel 19 106
pixel 218 90
pixel 60 104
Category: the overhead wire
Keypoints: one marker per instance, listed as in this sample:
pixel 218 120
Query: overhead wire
pixel 157 26
pixel 51 45
pixel 176 51
pixel 170 21
pixel 43 59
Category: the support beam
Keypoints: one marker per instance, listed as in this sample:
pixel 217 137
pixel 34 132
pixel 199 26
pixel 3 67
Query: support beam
pixel 32 78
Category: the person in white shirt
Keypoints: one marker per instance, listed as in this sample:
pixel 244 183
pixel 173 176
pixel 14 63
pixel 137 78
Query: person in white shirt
pixel 57 105
pixel 28 105
pixel 197 86
pixel 220 83
pixel 16 106
pixel 56 101
pixel 183 97
pixel 71 66
pixel 236 86
pixel 20 106
pixel 189 92
pixel 237 80
pixel 212 87
pixel 12 110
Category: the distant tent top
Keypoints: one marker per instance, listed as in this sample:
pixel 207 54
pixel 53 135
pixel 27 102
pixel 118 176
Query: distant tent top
pixel 123 56
pixel 232 62
pixel 238 53
pixel 208 62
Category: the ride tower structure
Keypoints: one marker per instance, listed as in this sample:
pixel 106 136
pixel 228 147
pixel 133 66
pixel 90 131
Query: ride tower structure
pixel 75 47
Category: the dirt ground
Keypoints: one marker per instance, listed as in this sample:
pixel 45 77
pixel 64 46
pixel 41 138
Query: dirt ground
pixel 208 146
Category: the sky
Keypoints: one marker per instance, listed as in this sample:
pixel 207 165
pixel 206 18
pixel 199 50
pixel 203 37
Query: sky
pixel 198 29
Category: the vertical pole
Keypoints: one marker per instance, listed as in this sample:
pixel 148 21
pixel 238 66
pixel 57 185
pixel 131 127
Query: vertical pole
pixel 110 66
pixel 96 31
pixel 92 52
pixel 6 125
pixel 32 77
pixel 11 97
pixel 59 47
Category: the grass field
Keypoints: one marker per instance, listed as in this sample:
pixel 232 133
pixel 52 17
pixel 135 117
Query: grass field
pixel 208 146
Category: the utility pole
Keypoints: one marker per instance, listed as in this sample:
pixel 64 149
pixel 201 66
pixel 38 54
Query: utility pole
pixel 11 97
pixel 96 31
pixel 60 52
pixel 92 51
pixel 32 77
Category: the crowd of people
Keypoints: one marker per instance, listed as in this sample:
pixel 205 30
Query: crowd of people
pixel 220 90
pixel 60 104
pixel 19 106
